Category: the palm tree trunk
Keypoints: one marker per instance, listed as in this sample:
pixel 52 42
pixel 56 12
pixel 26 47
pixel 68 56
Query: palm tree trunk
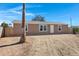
pixel 23 37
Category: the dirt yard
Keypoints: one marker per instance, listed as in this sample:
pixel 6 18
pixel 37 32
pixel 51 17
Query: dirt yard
pixel 43 45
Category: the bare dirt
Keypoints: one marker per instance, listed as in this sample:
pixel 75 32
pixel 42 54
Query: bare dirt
pixel 42 45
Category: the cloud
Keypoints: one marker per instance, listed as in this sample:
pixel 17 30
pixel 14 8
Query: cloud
pixel 29 14
pixel 20 13
pixel 16 8
pixel 27 6
pixel 15 13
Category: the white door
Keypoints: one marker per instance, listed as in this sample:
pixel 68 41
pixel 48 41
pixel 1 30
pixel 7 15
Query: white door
pixel 51 28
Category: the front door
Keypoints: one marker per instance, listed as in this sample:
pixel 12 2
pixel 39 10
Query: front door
pixel 51 28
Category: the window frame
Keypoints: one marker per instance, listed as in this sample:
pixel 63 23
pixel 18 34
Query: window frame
pixel 60 27
pixel 27 27
pixel 43 27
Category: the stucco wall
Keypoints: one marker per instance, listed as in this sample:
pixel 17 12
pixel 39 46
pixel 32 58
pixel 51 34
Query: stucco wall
pixel 33 29
pixel 64 29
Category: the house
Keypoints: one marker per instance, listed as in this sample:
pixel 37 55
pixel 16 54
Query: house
pixel 38 28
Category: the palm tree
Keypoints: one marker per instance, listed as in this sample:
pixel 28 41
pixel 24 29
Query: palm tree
pixel 23 37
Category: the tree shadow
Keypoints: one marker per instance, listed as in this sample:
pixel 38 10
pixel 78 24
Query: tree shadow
pixel 10 44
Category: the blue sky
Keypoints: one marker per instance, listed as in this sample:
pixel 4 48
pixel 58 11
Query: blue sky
pixel 52 12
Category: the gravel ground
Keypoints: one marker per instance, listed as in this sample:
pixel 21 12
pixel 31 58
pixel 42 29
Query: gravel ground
pixel 42 45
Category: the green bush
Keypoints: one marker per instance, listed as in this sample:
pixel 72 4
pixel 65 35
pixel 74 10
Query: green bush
pixel 76 29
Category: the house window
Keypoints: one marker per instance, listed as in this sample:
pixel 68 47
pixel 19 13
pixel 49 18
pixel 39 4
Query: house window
pixel 59 28
pixel 43 28
pixel 26 28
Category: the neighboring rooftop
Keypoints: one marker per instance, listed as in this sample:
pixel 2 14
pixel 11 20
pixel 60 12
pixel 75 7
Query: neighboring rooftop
pixel 39 22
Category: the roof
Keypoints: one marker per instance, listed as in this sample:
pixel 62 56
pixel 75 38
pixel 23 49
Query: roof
pixel 40 22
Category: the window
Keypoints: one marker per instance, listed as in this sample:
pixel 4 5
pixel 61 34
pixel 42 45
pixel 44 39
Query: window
pixel 26 28
pixel 42 28
pixel 59 27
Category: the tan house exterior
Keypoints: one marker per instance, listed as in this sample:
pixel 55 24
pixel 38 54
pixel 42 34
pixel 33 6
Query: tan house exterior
pixel 38 28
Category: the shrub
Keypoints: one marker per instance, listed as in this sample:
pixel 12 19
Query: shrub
pixel 75 29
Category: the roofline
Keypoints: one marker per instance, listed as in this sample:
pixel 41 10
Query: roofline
pixel 51 23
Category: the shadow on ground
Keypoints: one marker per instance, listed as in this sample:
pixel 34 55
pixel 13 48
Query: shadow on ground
pixel 10 44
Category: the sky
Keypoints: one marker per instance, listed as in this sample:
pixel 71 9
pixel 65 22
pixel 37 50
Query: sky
pixel 52 12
